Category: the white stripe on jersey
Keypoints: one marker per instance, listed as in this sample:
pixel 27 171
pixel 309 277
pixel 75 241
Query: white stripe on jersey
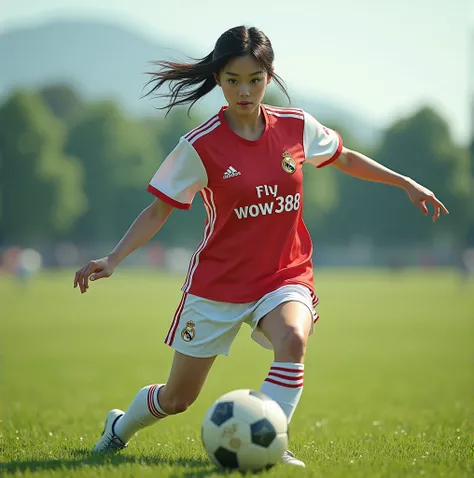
pixel 280 115
pixel 200 127
pixel 175 322
pixel 284 110
pixel 201 244
pixel 204 132
pixel 211 214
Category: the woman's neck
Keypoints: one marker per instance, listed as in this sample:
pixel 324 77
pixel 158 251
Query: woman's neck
pixel 249 126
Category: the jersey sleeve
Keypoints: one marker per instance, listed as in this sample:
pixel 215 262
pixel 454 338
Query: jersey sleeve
pixel 179 177
pixel 321 145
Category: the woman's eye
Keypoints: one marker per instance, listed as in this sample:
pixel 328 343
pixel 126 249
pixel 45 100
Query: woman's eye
pixel 256 80
pixel 232 81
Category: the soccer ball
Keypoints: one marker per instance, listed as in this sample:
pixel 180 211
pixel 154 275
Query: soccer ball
pixel 245 429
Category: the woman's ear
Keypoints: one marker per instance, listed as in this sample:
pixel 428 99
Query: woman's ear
pixel 269 77
pixel 216 77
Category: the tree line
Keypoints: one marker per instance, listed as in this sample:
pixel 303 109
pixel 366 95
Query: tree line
pixel 75 170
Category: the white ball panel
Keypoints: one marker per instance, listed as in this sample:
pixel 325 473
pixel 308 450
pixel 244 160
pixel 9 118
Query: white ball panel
pixel 210 436
pixel 277 416
pixel 253 457
pixel 277 448
pixel 249 409
pixel 234 435
pixel 235 395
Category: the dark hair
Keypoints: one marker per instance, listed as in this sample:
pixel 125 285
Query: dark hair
pixel 192 81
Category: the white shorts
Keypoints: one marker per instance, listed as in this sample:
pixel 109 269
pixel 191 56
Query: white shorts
pixel 204 328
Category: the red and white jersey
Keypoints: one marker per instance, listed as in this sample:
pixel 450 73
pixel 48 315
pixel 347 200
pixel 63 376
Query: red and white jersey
pixel 255 240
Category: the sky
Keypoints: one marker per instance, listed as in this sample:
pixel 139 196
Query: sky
pixel 381 58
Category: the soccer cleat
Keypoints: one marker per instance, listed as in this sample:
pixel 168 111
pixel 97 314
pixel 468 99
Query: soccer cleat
pixel 109 442
pixel 289 459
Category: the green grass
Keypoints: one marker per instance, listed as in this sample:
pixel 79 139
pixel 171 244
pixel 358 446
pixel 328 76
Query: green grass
pixel 388 383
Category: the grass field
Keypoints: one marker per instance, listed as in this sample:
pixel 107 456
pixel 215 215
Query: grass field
pixel 389 377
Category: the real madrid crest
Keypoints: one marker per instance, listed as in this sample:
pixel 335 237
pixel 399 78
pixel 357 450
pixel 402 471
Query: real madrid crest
pixel 288 163
pixel 188 333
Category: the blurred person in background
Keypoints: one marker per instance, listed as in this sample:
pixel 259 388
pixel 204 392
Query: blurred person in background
pixel 22 263
pixel 254 264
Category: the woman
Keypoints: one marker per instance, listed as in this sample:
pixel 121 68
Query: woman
pixel 246 162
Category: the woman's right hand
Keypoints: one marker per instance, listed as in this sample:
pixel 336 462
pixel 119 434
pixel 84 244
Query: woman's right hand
pixel 96 269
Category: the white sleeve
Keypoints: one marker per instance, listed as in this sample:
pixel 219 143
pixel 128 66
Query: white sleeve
pixel 321 145
pixel 180 176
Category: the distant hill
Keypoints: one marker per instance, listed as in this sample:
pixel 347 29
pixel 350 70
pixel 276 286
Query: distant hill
pixel 106 60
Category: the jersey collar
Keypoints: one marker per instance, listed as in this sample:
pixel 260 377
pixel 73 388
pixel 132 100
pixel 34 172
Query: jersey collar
pixel 239 138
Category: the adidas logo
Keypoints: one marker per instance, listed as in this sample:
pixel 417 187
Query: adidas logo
pixel 231 172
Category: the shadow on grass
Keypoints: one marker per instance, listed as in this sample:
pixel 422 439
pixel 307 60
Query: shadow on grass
pixel 81 458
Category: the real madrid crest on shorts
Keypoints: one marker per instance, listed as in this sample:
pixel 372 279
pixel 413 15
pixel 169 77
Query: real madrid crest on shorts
pixel 288 163
pixel 188 333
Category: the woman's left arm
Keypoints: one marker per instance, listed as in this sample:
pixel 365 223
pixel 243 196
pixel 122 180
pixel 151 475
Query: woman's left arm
pixel 360 166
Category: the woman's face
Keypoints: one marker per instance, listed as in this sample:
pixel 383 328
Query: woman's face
pixel 243 82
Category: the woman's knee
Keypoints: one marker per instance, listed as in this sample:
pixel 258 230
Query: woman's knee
pixel 292 343
pixel 176 401
pixel 184 384
pixel 179 405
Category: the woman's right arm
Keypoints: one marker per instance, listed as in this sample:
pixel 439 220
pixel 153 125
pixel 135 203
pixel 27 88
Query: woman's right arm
pixel 145 226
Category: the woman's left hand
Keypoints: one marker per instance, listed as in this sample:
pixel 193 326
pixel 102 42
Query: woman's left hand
pixel 419 196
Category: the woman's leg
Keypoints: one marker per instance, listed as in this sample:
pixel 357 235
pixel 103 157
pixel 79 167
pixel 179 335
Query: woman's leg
pixel 155 402
pixel 287 327
pixel 185 382
pixel 200 327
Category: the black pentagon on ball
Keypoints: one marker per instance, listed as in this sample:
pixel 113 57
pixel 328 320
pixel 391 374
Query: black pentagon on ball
pixel 263 433
pixel 226 458
pixel 260 395
pixel 223 412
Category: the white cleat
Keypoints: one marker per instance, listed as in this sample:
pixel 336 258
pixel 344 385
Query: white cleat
pixel 289 459
pixel 109 442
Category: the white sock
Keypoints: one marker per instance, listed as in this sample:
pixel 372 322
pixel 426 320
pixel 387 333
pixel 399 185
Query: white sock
pixel 142 412
pixel 284 384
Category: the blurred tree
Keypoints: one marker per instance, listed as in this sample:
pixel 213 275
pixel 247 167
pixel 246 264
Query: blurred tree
pixel 40 188
pixel 183 228
pixel 168 129
pixel 469 240
pixel 63 101
pixel 324 190
pixel 419 147
pixel 119 158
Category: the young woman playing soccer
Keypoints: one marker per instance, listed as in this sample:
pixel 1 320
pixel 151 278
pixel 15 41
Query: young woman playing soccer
pixel 246 162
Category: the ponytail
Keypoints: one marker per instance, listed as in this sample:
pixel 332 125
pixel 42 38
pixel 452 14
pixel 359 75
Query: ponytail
pixel 189 81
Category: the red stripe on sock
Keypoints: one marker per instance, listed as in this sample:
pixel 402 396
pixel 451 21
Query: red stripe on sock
pixel 286 377
pixel 150 399
pixel 281 369
pixel 163 414
pixel 288 385
pixel 151 403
